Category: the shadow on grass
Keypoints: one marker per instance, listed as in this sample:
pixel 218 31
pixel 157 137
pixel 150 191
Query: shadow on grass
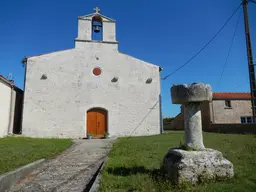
pixel 155 174
pixel 158 175
pixel 125 171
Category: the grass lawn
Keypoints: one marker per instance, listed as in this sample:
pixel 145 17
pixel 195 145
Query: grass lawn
pixel 131 161
pixel 18 151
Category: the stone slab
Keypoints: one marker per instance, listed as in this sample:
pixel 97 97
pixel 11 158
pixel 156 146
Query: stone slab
pixel 10 178
pixel 196 166
pixel 195 92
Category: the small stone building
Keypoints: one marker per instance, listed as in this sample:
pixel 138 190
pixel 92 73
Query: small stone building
pixel 228 108
pixel 225 108
pixel 10 107
pixel 92 88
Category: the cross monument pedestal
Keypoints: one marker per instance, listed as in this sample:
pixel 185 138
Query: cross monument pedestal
pixel 192 162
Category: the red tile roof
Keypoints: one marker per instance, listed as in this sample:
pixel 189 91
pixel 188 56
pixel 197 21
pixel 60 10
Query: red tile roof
pixel 227 95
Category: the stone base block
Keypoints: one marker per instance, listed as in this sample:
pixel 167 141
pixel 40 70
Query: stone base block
pixel 196 166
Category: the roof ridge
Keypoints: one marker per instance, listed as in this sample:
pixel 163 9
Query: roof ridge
pixel 94 14
pixel 46 53
pixel 10 82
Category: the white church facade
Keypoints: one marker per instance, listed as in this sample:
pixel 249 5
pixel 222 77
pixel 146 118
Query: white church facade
pixel 92 88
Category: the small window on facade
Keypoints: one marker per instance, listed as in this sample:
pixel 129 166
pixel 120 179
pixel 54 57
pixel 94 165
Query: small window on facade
pixel 243 120
pixel 249 119
pixel 228 103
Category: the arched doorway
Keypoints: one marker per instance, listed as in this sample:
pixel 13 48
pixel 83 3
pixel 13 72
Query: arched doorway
pixel 97 122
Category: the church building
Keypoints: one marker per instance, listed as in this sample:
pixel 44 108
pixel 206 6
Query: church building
pixel 91 89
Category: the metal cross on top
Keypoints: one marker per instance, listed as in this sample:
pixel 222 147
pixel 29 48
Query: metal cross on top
pixel 97 10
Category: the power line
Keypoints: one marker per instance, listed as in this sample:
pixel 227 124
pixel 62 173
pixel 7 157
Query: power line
pixel 131 133
pixel 187 62
pixel 252 1
pixel 230 48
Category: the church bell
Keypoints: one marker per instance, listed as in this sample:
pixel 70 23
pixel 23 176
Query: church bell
pixel 96 28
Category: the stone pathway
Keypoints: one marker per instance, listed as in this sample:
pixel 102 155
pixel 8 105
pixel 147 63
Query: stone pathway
pixel 70 171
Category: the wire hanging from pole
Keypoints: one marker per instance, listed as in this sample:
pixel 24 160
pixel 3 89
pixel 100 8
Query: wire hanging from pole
pixel 252 1
pixel 194 56
pixel 230 48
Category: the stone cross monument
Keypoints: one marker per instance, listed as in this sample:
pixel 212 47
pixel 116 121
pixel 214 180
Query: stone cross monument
pixel 193 162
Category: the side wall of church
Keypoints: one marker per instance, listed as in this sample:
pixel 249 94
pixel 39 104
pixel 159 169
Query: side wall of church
pixel 57 106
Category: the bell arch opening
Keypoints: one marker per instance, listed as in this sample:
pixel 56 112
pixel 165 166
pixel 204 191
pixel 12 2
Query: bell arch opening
pixel 97 28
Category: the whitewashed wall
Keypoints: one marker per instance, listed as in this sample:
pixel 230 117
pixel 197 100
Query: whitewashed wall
pixel 57 106
pixel 5 101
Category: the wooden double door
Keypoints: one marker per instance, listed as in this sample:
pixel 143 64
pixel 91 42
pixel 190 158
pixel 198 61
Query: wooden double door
pixel 97 122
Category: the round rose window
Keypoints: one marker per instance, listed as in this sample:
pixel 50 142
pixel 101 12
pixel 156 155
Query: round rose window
pixel 96 71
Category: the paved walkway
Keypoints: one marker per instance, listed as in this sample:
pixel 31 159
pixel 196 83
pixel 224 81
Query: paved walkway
pixel 70 171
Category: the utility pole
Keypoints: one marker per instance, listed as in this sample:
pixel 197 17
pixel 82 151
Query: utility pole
pixel 250 60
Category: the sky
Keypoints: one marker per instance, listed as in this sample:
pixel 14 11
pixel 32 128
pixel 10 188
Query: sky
pixel 163 32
